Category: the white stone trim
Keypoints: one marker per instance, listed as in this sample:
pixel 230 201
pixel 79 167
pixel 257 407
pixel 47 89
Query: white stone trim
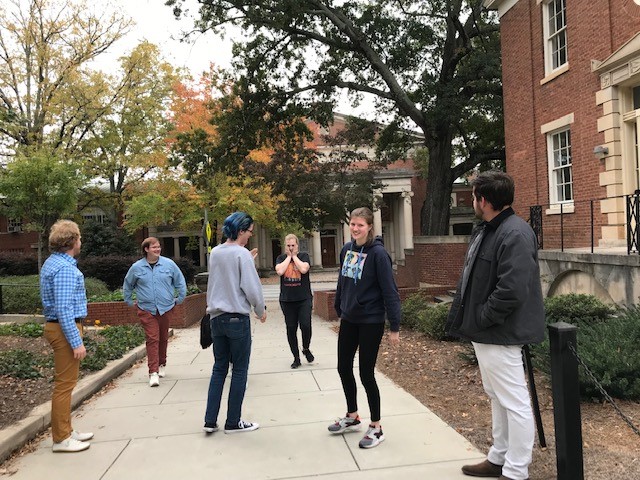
pixel 557 124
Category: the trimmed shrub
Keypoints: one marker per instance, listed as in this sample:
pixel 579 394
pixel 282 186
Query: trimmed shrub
pixel 18 264
pixel 577 309
pixel 610 351
pixel 22 295
pixel 113 268
pixel 434 320
pixel 413 308
pixel 607 343
pixel 418 313
pixel 118 295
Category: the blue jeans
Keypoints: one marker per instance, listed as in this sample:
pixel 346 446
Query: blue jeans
pixel 231 335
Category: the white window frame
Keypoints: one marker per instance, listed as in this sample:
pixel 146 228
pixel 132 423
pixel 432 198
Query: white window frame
pixel 630 140
pixel 550 129
pixel 559 145
pixel 552 52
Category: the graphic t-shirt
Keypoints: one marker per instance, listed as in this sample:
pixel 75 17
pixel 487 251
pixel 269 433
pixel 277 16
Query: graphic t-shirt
pixel 294 286
pixel 353 264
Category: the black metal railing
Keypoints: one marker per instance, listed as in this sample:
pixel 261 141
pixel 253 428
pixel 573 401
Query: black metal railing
pixel 574 224
pixel 633 222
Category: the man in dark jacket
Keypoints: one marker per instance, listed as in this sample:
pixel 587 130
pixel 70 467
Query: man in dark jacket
pixel 499 308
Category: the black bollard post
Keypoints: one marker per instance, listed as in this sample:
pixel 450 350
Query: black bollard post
pixel 566 401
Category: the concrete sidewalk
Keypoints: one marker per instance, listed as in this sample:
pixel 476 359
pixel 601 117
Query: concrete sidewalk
pixel 156 433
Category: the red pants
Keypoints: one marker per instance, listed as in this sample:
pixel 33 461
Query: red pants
pixel 156 330
pixel 65 379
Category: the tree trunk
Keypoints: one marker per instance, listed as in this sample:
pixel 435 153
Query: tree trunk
pixel 434 216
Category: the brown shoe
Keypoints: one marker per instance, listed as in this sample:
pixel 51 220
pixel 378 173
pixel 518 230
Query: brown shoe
pixel 483 469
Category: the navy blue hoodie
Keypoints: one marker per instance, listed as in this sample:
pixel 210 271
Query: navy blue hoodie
pixel 366 286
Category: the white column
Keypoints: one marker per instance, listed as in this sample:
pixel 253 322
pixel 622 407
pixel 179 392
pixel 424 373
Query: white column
pixel 377 214
pixel 346 233
pixel 176 247
pixel 377 222
pixel 407 214
pixel 398 230
pixel 316 249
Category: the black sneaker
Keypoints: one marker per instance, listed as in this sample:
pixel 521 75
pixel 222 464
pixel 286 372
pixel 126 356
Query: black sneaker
pixel 210 428
pixel 308 355
pixel 296 363
pixel 242 426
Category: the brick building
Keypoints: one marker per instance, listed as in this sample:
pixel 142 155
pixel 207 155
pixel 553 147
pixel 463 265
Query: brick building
pixel 571 80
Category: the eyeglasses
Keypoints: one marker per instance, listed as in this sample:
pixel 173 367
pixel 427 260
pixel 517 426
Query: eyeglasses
pixel 250 230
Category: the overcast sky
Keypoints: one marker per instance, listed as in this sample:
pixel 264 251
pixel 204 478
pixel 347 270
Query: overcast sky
pixel 156 23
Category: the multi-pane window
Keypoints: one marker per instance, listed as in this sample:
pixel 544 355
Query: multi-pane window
pixel 14 225
pixel 561 177
pixel 556 34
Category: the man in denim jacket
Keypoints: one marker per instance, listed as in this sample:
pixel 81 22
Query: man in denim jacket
pixel 498 307
pixel 156 280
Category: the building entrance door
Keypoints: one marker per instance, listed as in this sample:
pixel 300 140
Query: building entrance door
pixel 328 247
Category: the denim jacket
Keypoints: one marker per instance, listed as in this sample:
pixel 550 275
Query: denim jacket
pixel 155 286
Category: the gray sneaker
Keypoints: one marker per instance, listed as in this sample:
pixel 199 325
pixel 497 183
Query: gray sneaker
pixel 346 424
pixel 372 438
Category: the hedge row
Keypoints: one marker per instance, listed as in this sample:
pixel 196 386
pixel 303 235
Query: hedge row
pixel 110 269
pixel 22 294
pixel 113 268
pixel 608 339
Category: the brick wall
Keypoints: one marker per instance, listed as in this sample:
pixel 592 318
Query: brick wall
pixel 323 301
pixel 595 29
pixel 119 313
pixel 434 261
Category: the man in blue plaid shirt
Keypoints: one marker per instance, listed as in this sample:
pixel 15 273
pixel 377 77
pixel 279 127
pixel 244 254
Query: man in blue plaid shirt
pixel 64 300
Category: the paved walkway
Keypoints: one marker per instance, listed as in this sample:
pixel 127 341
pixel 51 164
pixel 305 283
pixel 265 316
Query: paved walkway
pixel 156 433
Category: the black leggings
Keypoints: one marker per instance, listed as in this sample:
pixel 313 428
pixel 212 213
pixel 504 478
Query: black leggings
pixel 298 313
pixel 367 338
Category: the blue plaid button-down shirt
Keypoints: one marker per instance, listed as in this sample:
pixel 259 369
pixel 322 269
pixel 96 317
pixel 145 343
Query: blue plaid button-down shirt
pixel 64 297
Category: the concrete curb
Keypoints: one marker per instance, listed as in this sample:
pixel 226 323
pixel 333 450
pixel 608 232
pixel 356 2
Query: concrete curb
pixel 18 434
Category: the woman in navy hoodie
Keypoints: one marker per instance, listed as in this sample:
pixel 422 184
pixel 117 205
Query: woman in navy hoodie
pixel 366 291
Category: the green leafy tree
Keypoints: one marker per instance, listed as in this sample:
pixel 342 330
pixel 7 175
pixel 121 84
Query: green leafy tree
pixel 128 143
pixel 431 66
pixel 39 188
pixel 46 93
pixel 104 239
pixel 318 189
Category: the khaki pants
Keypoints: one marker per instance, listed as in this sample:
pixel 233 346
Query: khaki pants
pixel 65 379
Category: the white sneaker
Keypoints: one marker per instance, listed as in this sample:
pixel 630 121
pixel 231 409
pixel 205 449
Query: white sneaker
pixel 70 445
pixel 154 379
pixel 161 371
pixel 81 437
